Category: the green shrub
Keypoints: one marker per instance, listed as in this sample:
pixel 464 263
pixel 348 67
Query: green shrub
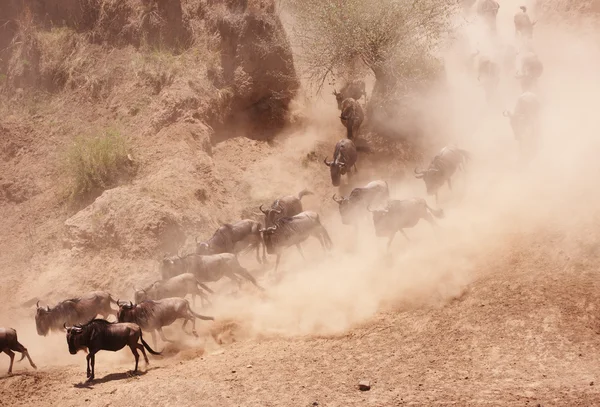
pixel 96 163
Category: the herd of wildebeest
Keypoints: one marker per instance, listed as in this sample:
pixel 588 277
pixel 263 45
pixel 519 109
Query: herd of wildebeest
pixel 285 222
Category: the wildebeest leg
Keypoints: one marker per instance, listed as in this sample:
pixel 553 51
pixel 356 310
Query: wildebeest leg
pixel 277 261
pixel 300 250
pixel 430 219
pixel 136 355
pixel 24 353
pixel 91 360
pixel 264 254
pixel 193 326
pixel 162 335
pixel 153 333
pixel 390 240
pixel 194 300
pixel 11 355
pixel 141 347
pixel 405 235
pixel 450 184
pixel 245 274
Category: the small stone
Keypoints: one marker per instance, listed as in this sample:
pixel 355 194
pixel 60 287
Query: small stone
pixel 233 371
pixel 364 385
pixel 249 367
pixel 591 383
pixel 316 403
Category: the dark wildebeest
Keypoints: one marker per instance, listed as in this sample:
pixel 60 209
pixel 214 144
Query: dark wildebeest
pixel 283 207
pixel 374 193
pixel 178 286
pixel 233 238
pixel 488 73
pixel 524 119
pixel 488 10
pixel 207 269
pixel 530 70
pixel 9 344
pixel 352 117
pixel 402 214
pixel 291 231
pixel 354 89
pixel 74 311
pixel 99 334
pixel 523 24
pixel 153 315
pixel 344 158
pixel 441 169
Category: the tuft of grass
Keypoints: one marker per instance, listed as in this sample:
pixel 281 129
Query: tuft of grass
pixel 96 163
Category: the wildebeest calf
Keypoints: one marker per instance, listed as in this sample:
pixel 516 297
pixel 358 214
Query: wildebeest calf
pixel 154 315
pixel 283 207
pixel 374 193
pixel 100 334
pixel 441 169
pixel 74 311
pixel 402 214
pixel 294 230
pixel 9 344
pixel 178 286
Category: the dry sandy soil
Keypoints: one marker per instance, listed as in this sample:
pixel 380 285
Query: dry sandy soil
pixel 501 306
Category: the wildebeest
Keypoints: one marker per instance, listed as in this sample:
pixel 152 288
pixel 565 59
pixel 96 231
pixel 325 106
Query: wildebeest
pixel 488 10
pixel 291 231
pixel 488 72
pixel 9 344
pixel 374 193
pixel 99 334
pixel 233 238
pixel 354 89
pixel 344 159
pixel 524 119
pixel 207 269
pixel 153 315
pixel 441 169
pixel 178 286
pixel 402 214
pixel 285 206
pixel 523 24
pixel 74 311
pixel 352 116
pixel 530 70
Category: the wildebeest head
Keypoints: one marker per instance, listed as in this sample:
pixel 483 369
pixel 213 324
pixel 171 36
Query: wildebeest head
pixel 140 295
pixel 271 214
pixel 202 248
pixel 43 319
pixel 337 170
pixel 267 234
pixel 126 311
pixel 170 266
pixel 433 177
pixel 75 338
pixel 346 207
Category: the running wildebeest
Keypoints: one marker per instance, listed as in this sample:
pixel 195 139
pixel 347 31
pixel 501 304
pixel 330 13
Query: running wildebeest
pixel 74 311
pixel 523 24
pixel 9 344
pixel 441 169
pixel 99 334
pixel 524 119
pixel 374 193
pixel 402 214
pixel 488 73
pixel 153 315
pixel 178 286
pixel 488 11
pixel 530 70
pixel 354 89
pixel 283 207
pixel 291 231
pixel 207 269
pixel 233 238
pixel 344 159
pixel 352 116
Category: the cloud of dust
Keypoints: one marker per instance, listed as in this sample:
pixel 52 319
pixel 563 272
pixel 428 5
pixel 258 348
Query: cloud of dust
pixel 329 292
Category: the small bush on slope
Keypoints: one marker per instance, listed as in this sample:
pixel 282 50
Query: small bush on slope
pixel 95 163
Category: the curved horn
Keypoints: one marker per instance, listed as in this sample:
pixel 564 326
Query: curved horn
pixel 278 211
pixel 419 174
pixel 327 163
pixel 48 308
pixel 506 113
pixel 130 304
pixel 37 304
pixel 65 325
pixel 262 210
pixel 369 208
pixel 337 200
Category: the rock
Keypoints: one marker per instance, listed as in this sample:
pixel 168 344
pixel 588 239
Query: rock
pixel 249 367
pixel 591 383
pixel 364 385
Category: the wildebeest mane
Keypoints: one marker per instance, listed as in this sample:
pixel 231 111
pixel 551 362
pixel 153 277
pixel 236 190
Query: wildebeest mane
pixel 145 311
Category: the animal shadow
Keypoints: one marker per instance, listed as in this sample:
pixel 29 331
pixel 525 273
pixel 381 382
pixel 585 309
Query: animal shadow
pixel 111 377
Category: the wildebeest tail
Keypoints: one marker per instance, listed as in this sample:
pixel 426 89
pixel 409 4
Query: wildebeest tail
pixel 438 213
pixel 205 287
pixel 303 193
pixel 203 317
pixel 22 349
pixel 148 348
